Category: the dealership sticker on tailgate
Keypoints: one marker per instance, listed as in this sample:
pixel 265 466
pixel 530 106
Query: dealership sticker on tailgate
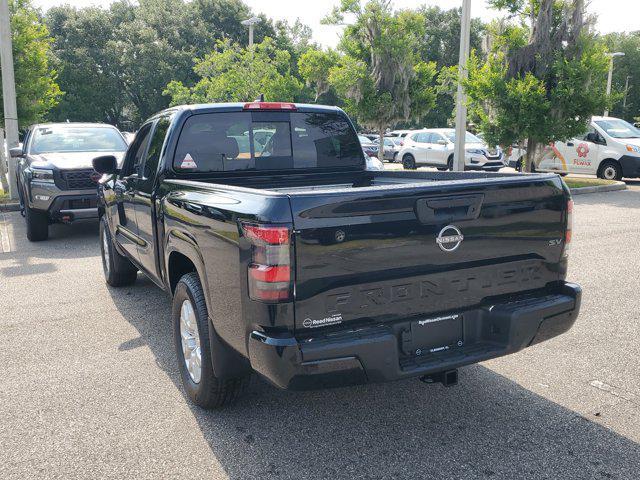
pixel 322 322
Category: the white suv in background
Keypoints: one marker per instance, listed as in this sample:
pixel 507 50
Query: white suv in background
pixel 434 148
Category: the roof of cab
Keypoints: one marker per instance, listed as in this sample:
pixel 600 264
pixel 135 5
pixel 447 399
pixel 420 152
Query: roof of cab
pixel 239 106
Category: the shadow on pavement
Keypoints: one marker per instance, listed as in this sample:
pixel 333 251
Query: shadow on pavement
pixel 486 427
pixel 77 240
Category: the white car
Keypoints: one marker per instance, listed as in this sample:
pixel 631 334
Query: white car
pixel 434 148
pixel 610 149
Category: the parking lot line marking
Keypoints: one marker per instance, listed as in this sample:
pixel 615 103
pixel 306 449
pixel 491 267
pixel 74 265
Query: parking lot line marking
pixel 5 245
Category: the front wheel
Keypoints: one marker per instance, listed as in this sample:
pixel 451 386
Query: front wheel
pixel 37 224
pixel 610 170
pixel 193 348
pixel 118 270
pixel 408 162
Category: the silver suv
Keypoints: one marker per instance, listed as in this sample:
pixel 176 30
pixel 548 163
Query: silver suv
pixel 56 180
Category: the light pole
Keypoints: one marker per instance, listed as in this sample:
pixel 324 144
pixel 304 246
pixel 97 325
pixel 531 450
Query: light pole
pixel 461 97
pixel 8 92
pixel 609 78
pixel 250 22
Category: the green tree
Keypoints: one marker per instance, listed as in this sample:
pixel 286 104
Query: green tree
pixel 627 66
pixel 116 62
pixel 90 71
pixel 315 66
pixel 232 73
pixel 541 82
pixel 36 88
pixel 380 76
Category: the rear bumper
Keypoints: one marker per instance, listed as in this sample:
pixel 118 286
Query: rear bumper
pixel 376 354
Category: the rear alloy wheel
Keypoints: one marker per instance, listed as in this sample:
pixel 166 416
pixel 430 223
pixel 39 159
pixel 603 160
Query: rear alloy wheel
pixel 37 224
pixel 193 348
pixel 610 170
pixel 408 162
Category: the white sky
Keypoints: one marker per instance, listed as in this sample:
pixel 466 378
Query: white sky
pixel 613 15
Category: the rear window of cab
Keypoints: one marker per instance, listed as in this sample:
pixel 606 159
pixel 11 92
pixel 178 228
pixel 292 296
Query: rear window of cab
pixel 231 141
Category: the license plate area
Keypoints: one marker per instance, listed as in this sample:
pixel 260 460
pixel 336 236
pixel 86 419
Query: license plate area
pixel 433 335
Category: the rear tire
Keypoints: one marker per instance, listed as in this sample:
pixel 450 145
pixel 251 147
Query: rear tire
pixel 408 162
pixel 191 335
pixel 118 270
pixel 37 224
pixel 610 170
pixel 450 163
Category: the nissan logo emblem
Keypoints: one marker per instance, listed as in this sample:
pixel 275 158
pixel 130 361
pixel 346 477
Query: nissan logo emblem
pixel 95 177
pixel 449 238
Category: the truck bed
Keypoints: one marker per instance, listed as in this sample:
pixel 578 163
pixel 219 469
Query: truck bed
pixel 360 242
pixel 297 184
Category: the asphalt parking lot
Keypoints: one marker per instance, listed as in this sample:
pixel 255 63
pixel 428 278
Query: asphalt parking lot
pixel 90 389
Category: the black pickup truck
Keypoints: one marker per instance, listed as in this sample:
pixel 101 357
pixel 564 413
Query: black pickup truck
pixel 286 257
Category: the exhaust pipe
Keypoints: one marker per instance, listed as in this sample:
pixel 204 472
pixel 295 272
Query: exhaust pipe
pixel 448 378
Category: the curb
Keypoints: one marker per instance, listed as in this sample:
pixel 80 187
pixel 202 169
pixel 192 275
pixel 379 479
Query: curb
pixel 599 188
pixel 9 207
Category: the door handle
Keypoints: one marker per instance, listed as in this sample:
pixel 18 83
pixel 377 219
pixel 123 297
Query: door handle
pixel 449 209
pixel 570 144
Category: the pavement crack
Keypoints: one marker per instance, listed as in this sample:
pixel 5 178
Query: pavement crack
pixel 616 392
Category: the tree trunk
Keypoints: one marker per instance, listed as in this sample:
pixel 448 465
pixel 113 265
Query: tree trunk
pixel 381 145
pixel 4 183
pixel 533 152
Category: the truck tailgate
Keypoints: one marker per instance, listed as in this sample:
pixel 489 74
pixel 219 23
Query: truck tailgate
pixel 389 253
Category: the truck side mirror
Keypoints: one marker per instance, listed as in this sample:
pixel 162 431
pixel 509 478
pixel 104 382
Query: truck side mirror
pixel 16 152
pixel 106 164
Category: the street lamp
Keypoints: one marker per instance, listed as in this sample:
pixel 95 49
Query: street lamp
pixel 250 22
pixel 609 78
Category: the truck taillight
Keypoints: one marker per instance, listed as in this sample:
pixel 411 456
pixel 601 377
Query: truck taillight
pixel 269 273
pixel 568 234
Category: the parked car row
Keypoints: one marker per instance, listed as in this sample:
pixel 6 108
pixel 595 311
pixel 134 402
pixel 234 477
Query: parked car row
pixel 609 149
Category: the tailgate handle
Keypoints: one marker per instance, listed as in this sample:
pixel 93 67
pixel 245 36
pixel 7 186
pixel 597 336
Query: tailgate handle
pixel 449 209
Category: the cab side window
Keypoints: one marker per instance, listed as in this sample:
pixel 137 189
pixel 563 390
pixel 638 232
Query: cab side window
pixel 135 152
pixel 149 167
